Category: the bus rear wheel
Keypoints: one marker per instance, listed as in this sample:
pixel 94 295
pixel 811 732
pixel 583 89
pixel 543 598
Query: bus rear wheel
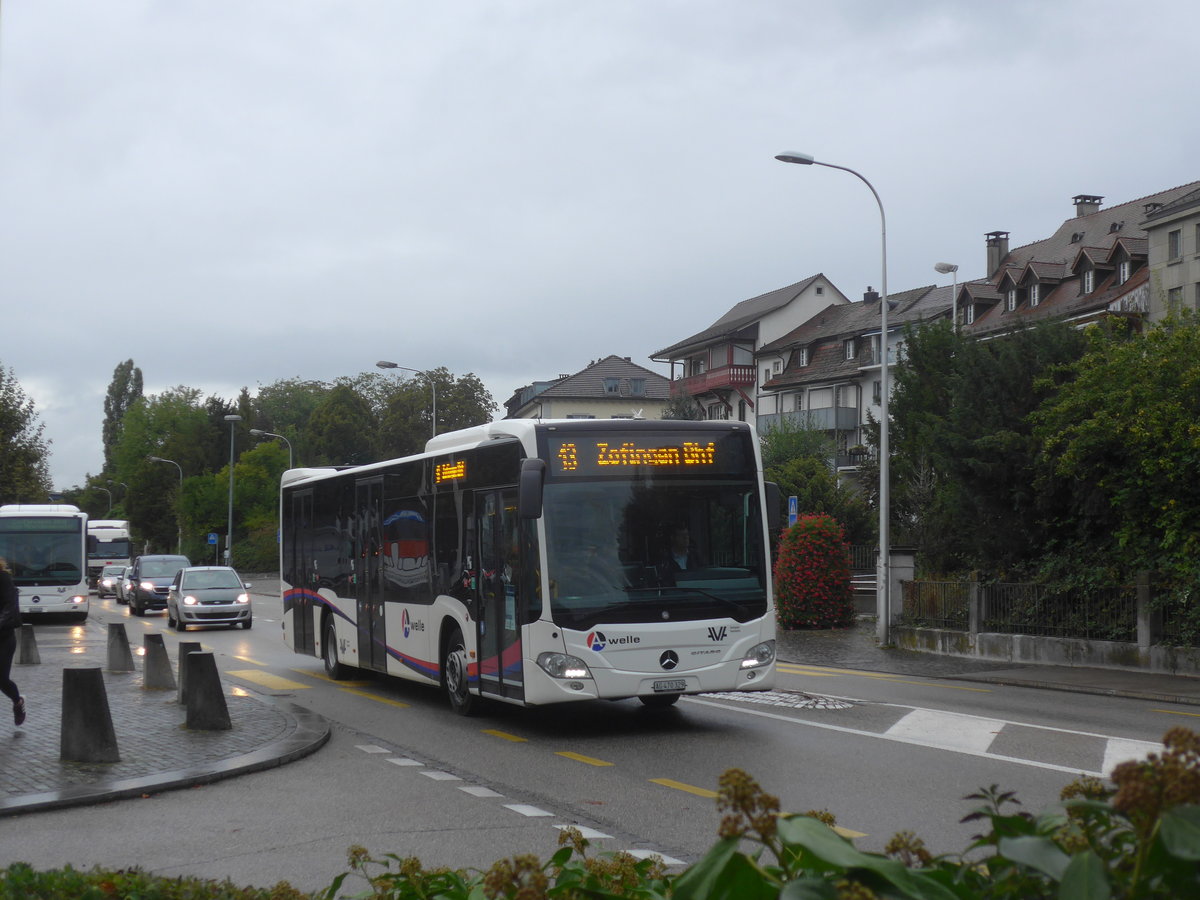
pixel 329 653
pixel 454 676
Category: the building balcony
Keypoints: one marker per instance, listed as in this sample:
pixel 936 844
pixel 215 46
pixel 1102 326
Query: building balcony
pixel 839 418
pixel 722 378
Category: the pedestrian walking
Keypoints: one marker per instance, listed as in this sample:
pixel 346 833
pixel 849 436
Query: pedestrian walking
pixel 10 621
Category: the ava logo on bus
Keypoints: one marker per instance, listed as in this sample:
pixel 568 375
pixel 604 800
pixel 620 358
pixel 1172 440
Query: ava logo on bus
pixel 408 626
pixel 597 641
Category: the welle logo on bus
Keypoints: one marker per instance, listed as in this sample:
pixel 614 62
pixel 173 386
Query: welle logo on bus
pixel 574 457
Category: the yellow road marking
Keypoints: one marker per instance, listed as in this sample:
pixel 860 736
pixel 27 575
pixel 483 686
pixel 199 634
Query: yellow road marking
pixel 388 700
pixel 504 735
pixel 680 786
pixel 267 680
pixel 579 757
pixel 847 833
pixel 321 676
pixel 1171 712
pixel 253 662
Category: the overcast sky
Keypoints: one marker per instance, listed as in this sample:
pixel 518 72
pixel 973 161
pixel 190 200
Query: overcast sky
pixel 232 192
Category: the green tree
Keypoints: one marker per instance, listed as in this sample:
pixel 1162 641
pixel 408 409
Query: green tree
pixel 682 406
pixel 462 402
pixel 1121 438
pixel 342 429
pixel 24 452
pixel 964 457
pixel 285 407
pixel 124 389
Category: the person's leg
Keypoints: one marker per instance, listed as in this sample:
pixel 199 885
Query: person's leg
pixel 8 648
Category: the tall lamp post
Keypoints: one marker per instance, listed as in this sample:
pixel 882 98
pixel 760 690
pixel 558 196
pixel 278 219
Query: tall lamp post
pixel 883 588
pixel 232 420
pixel 385 364
pixel 258 432
pixel 951 269
pixel 178 524
pixel 107 491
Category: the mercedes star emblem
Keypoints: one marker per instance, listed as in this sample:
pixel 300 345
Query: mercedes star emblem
pixel 669 659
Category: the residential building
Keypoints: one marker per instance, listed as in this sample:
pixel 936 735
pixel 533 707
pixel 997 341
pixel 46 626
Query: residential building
pixel 1173 238
pixel 614 387
pixel 717 366
pixel 1096 264
pixel 830 378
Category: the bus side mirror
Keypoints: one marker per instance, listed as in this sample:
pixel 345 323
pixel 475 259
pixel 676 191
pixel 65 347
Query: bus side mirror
pixel 529 493
pixel 92 541
pixel 774 506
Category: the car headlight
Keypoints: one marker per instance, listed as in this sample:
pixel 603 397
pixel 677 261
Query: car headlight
pixel 563 665
pixel 242 598
pixel 760 655
pixel 189 600
pixel 147 585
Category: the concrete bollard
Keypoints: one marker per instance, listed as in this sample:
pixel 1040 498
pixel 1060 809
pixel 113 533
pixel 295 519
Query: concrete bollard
pixel 119 657
pixel 156 668
pixel 27 649
pixel 185 647
pixel 206 707
pixel 87 731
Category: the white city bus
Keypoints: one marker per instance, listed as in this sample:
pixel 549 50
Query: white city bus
pixel 46 550
pixel 531 562
pixel 112 546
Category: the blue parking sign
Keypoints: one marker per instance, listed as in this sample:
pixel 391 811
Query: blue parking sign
pixel 212 537
pixel 793 510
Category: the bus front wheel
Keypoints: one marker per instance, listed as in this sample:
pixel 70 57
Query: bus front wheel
pixel 454 676
pixel 334 669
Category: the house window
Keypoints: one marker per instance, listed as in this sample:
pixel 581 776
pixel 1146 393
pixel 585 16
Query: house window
pixel 579 416
pixel 777 366
pixel 1174 300
pixel 1197 297
pixel 718 411
pixel 612 385
pixel 1010 299
pixel 1088 282
pixel 799 398
pixel 1035 294
pixel 820 290
pixel 637 387
pixel 766 375
pixel 1123 272
pixel 802 356
pixel 1175 244
pixel 970 313
pixel 876 393
pixel 848 348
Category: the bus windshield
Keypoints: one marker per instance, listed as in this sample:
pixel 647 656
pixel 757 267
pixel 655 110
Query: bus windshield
pixel 120 548
pixel 43 551
pixel 654 549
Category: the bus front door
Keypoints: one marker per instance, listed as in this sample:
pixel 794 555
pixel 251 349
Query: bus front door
pixel 500 665
pixel 372 636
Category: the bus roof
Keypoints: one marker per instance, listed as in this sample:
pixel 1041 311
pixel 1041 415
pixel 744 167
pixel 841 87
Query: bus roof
pixel 40 509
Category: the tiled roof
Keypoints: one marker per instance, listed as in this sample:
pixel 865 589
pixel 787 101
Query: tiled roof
pixel 1047 271
pixel 1133 246
pixel 1064 302
pixel 740 317
pixel 589 381
pixel 1191 198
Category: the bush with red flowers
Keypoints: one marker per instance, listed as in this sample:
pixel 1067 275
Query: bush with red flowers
pixel 812 575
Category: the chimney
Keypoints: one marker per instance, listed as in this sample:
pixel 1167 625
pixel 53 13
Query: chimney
pixel 997 249
pixel 871 295
pixel 1151 207
pixel 1086 204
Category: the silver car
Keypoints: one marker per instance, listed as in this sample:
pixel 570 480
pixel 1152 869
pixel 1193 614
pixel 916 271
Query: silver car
pixel 107 584
pixel 208 595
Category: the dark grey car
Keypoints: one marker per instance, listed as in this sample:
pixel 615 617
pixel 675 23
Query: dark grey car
pixel 208 595
pixel 151 576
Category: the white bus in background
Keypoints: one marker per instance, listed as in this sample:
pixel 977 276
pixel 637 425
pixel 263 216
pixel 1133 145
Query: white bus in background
pixel 530 562
pixel 46 551
pixel 112 546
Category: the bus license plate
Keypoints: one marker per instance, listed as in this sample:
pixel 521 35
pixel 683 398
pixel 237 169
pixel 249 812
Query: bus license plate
pixel 669 687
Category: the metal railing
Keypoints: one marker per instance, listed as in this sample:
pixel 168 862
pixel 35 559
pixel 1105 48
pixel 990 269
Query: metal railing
pixel 936 604
pixel 1105 614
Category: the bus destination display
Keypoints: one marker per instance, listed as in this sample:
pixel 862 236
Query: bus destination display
pixel 580 456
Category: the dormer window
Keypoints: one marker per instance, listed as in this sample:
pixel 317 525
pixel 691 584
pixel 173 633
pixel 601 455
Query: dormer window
pixel 1035 294
pixel 848 348
pixel 612 385
pixel 802 356
pixel 1123 270
pixel 637 387
pixel 970 313
pixel 1010 299
pixel 1088 282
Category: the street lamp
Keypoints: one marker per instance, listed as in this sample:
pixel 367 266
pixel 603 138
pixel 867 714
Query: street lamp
pixel 232 420
pixel 951 269
pixel 107 491
pixel 384 364
pixel 883 593
pixel 178 524
pixel 258 432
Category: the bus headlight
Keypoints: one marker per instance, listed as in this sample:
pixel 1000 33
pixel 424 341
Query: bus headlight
pixel 760 655
pixel 563 665
pixel 78 598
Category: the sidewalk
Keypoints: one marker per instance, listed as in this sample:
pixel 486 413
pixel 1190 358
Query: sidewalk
pixel 856 648
pixel 157 751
